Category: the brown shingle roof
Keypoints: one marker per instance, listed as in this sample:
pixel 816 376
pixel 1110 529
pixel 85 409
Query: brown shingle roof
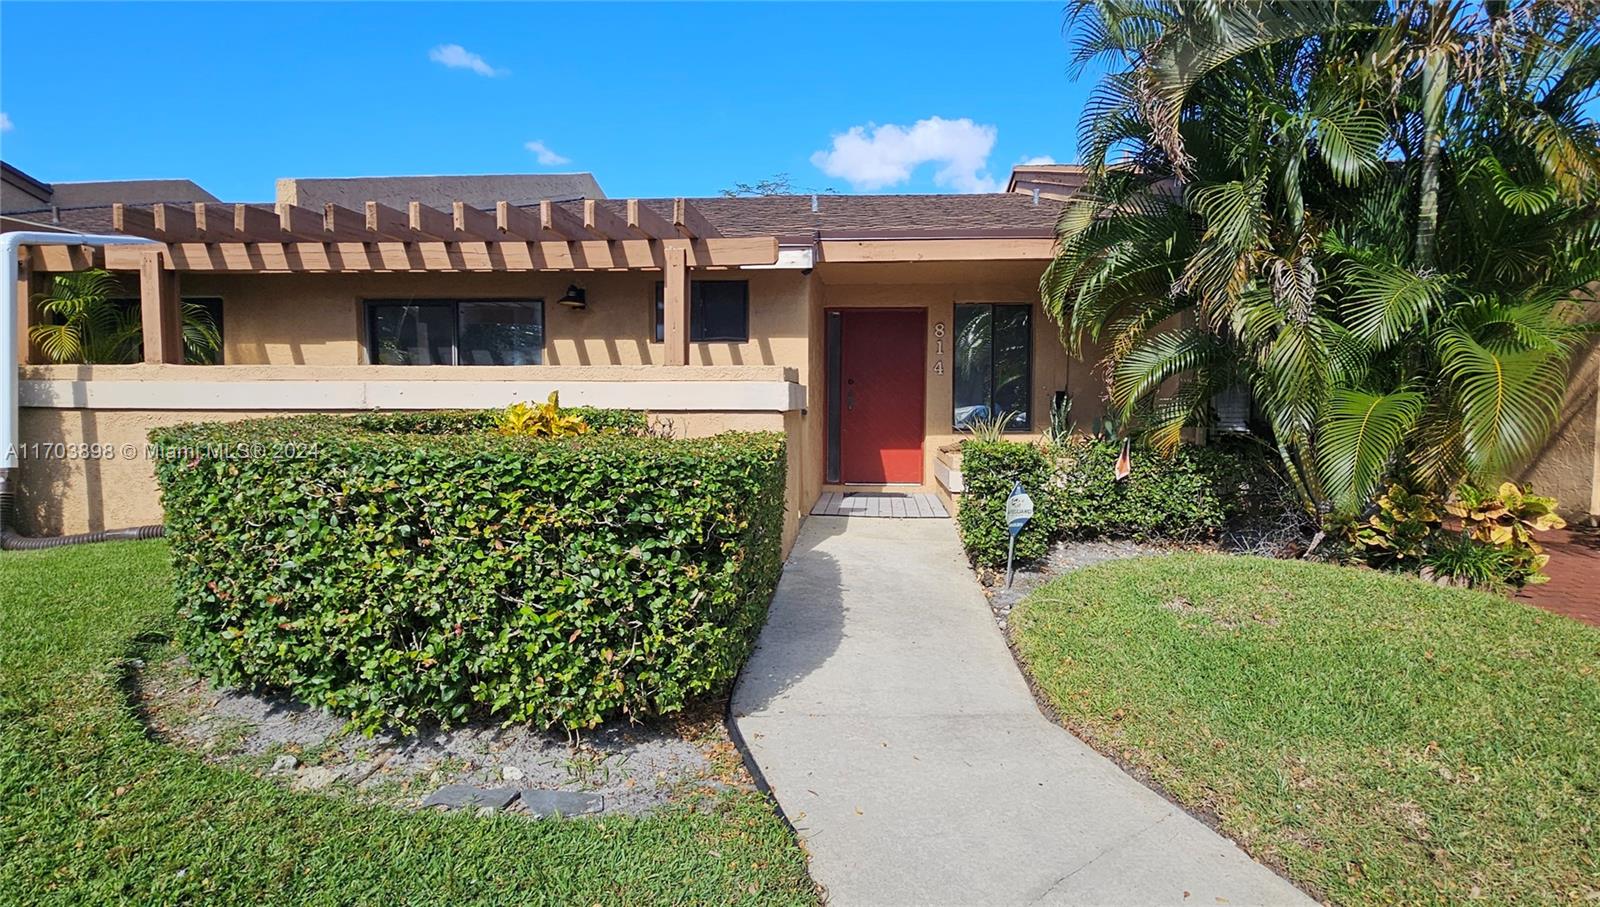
pixel 791 215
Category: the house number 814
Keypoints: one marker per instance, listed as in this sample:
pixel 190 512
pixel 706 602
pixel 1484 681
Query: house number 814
pixel 938 348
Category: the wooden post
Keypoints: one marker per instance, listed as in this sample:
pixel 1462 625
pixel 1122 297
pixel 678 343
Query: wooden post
pixel 30 283
pixel 160 311
pixel 675 297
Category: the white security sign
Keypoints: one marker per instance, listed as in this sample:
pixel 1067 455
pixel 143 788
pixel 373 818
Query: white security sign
pixel 1019 509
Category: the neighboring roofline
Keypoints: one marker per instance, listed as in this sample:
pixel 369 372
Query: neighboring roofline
pixel 435 176
pixel 17 174
pixel 1011 184
pixel 922 250
pixel 946 233
pixel 9 220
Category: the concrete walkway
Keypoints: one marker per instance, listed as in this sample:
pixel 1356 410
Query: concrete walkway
pixel 901 740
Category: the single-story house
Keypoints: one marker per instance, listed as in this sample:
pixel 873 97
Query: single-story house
pixel 871 329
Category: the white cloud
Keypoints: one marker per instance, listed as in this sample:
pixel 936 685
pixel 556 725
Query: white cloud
pixel 5 122
pixel 1038 159
pixel 874 157
pixel 457 57
pixel 545 155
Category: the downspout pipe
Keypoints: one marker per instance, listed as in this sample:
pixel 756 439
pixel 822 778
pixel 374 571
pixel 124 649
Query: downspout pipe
pixel 10 439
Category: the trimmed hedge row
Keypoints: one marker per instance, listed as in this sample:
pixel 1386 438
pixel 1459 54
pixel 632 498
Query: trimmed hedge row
pixel 409 567
pixel 446 421
pixel 1195 491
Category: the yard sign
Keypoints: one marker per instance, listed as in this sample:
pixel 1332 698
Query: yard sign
pixel 1019 510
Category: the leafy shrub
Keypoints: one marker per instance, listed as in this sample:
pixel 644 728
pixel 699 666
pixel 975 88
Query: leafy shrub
pixel 1196 491
pixel 1457 559
pixel 989 469
pixel 448 421
pixel 1495 547
pixel 1162 497
pixel 1400 529
pixel 1507 519
pixel 404 567
pixel 545 420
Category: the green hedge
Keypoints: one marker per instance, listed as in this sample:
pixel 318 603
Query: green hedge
pixel 1194 491
pixel 988 472
pixel 406 567
pixel 439 422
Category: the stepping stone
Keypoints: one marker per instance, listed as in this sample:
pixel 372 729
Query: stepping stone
pixel 541 803
pixel 457 796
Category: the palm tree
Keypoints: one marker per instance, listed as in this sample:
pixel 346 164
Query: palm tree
pixel 1373 215
pixel 86 323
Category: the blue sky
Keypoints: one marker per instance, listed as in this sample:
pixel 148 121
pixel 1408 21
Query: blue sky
pixel 654 99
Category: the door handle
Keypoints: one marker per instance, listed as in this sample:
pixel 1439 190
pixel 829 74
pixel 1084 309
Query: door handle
pixel 849 399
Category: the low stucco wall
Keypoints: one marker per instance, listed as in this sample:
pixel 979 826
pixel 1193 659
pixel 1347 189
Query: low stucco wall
pixel 87 468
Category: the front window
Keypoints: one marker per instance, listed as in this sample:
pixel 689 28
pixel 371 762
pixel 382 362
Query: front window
pixel 718 310
pixel 455 332
pixel 993 348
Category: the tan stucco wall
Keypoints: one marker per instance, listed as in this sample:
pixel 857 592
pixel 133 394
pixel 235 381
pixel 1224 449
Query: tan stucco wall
pixel 1568 467
pixel 316 319
pixel 62 492
pixel 70 491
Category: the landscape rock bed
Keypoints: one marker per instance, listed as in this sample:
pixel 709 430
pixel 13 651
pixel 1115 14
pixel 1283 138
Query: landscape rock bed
pixel 615 769
pixel 1064 557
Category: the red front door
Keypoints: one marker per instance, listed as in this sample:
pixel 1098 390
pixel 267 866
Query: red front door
pixel 881 395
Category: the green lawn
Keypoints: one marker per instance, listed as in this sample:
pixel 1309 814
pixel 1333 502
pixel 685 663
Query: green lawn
pixel 93 811
pixel 1380 739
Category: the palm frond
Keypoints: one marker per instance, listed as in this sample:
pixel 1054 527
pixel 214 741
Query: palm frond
pixel 1384 300
pixel 1508 400
pixel 1360 436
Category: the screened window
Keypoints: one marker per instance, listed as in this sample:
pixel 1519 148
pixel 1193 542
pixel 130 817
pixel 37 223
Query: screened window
pixel 993 351
pixel 718 310
pixel 455 332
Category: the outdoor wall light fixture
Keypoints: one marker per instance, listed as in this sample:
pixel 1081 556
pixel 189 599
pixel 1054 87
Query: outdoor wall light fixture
pixel 574 297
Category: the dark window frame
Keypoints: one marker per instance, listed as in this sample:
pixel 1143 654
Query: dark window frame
pixel 369 320
pixel 696 313
pixel 1027 412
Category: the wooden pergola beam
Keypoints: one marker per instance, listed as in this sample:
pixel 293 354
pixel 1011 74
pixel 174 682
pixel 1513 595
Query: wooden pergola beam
pixel 160 308
pixel 505 255
pixel 675 304
pixel 603 221
pixel 647 222
pixel 341 224
pixel 515 223
pixel 254 221
pixel 216 223
pixel 428 222
pixel 473 223
pixel 30 283
pixel 558 223
pixel 689 222
pixel 296 221
pixel 387 223
pixel 174 223
pixel 134 221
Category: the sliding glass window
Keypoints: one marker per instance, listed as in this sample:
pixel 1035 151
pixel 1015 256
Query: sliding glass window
pixel 455 332
pixel 993 352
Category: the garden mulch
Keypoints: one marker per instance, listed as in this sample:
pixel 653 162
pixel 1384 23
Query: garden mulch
pixel 620 767
pixel 1574 571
